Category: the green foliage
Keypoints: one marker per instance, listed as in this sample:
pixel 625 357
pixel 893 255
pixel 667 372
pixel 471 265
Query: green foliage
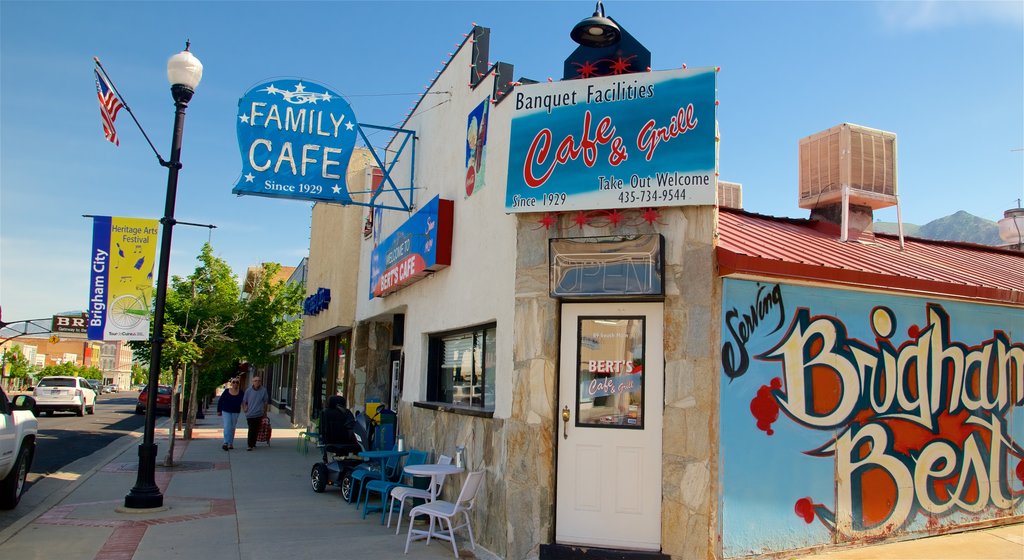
pixel 66 369
pixel 209 327
pixel 269 317
pixel 140 375
pixel 17 363
pixel 90 372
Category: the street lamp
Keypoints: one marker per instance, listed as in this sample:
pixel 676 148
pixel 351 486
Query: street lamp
pixel 184 71
pixel 597 31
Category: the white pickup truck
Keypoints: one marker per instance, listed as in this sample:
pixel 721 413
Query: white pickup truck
pixel 18 427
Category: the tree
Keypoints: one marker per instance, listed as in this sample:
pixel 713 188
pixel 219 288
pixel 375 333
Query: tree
pixel 269 318
pixel 66 369
pixel 139 374
pixel 17 364
pixel 204 307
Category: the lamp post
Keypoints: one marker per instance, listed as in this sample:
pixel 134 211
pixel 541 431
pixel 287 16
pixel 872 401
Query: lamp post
pixel 597 31
pixel 184 71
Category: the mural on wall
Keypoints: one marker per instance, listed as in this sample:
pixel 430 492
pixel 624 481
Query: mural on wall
pixel 476 147
pixel 850 416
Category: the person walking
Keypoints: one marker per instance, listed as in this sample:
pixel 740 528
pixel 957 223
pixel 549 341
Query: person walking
pixel 254 405
pixel 229 405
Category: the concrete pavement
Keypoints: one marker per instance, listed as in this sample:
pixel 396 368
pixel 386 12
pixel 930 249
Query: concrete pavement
pixel 218 504
pixel 259 505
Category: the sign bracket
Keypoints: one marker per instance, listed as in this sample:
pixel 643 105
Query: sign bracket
pixel 403 204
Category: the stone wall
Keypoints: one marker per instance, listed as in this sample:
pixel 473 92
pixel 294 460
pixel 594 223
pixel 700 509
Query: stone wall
pixel 690 442
pixel 303 383
pixel 370 366
pixel 440 433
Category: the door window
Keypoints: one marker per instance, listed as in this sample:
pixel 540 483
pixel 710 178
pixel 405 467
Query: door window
pixel 610 372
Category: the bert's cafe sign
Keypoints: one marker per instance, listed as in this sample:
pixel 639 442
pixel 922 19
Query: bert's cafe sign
pixel 295 138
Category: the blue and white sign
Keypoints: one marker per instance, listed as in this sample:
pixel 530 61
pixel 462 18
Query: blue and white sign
pixel 295 138
pixel 631 141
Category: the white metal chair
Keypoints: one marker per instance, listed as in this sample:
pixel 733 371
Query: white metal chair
pixel 403 493
pixel 440 509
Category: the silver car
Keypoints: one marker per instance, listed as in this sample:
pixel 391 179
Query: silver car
pixel 64 393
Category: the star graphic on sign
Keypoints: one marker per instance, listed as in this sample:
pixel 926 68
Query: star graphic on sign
pixel 271 89
pixel 349 125
pixel 244 118
pixel 299 88
pixel 336 189
pixel 325 96
pixel 249 177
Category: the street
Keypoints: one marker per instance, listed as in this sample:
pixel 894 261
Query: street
pixel 64 437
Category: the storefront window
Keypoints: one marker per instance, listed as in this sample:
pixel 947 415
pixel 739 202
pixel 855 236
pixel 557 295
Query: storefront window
pixel 463 368
pixel 610 373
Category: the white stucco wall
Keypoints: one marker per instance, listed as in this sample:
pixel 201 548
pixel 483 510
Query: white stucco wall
pixel 478 286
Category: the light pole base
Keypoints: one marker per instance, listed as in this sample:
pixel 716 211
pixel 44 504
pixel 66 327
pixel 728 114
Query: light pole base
pixel 145 494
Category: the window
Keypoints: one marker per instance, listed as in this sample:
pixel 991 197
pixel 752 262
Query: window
pixel 462 368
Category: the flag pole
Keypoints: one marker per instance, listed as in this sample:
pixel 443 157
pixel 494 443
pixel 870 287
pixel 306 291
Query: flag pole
pixel 129 109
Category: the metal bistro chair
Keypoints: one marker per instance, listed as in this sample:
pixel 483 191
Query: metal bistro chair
pixel 440 509
pixel 403 493
pixel 384 486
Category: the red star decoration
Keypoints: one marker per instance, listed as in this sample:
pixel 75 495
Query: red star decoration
pixel 615 217
pixel 587 69
pixel 620 65
pixel 548 220
pixel 650 215
pixel 580 219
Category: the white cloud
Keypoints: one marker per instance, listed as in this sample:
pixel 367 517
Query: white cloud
pixel 937 14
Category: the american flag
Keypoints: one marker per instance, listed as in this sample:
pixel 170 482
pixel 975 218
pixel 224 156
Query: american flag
pixel 109 106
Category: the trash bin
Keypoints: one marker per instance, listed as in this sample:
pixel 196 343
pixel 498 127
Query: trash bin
pixel 387 424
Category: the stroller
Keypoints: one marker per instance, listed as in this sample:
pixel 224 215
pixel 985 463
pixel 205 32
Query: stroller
pixel 341 437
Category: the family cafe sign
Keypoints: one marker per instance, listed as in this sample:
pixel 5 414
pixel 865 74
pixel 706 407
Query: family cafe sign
pixel 631 141
pixel 295 138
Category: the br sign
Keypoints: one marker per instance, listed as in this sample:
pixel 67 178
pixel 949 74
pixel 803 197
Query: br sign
pixel 295 138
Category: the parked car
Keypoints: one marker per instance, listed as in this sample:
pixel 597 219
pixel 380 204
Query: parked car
pixel 108 388
pixel 64 393
pixel 95 385
pixel 18 428
pixel 163 400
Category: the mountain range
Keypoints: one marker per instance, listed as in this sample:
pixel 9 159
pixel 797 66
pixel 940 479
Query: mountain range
pixel 961 226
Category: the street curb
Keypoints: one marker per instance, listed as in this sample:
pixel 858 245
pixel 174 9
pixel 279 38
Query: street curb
pixel 119 446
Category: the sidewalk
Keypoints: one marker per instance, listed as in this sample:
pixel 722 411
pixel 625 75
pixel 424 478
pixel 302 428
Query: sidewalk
pixel 218 504
pixel 259 505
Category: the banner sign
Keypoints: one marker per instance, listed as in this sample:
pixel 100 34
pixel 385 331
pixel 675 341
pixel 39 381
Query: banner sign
pixel 121 280
pixel 423 244
pixel 70 324
pixel 295 138
pixel 629 141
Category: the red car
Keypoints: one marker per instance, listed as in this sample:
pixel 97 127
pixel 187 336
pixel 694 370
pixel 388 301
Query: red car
pixel 163 400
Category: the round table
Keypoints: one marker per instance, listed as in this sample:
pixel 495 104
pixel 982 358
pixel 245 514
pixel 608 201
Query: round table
pixel 432 470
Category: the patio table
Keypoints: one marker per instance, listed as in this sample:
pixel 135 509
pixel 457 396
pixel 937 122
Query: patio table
pixel 432 470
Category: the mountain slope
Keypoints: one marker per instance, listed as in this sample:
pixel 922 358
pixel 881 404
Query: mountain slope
pixel 960 226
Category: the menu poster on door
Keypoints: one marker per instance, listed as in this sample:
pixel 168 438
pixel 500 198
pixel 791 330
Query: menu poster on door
pixel 611 372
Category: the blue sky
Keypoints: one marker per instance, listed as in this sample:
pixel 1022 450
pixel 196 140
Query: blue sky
pixel 947 77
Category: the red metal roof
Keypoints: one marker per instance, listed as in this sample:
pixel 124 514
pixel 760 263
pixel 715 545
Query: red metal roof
pixel 809 250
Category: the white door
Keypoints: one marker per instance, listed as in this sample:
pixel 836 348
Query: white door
pixel 609 450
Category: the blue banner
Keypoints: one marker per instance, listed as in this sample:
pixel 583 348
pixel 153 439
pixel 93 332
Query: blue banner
pixel 421 245
pixel 295 138
pixel 630 141
pixel 99 277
